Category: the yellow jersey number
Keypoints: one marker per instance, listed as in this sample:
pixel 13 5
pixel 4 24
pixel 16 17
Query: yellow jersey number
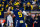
pixel 20 14
pixel 0 13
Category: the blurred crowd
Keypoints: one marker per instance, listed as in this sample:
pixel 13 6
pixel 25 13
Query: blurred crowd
pixel 27 5
pixel 35 19
pixel 31 20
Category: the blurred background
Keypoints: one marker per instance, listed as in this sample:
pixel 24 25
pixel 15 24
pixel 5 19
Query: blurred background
pixel 30 6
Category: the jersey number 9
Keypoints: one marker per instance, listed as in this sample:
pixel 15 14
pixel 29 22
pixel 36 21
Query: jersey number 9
pixel 20 14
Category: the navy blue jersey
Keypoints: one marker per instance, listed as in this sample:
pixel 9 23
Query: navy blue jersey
pixel 19 16
pixel 22 9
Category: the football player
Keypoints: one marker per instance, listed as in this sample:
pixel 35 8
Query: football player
pixel 19 16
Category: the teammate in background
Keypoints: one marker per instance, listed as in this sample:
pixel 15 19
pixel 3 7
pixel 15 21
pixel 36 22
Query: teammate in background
pixel 19 16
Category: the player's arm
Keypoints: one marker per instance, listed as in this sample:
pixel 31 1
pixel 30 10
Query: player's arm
pixel 9 10
pixel 24 13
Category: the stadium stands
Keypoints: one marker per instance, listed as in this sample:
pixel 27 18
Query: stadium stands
pixel 33 4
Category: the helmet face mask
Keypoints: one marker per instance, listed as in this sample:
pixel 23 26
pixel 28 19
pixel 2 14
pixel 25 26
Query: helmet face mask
pixel 17 6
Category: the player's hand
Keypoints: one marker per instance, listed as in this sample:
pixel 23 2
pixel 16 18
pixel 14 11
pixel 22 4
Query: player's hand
pixel 20 11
